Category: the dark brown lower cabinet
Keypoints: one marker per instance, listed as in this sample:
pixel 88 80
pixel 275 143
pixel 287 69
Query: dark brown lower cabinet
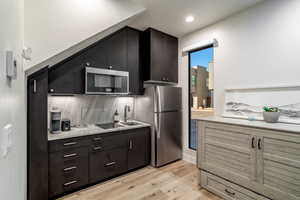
pixel 105 164
pixel 78 162
pixel 68 170
pixel 138 148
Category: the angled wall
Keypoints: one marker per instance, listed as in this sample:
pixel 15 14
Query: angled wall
pixel 52 27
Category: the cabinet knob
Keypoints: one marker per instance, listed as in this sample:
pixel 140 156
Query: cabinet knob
pixel 87 64
pixel 110 67
pixel 51 90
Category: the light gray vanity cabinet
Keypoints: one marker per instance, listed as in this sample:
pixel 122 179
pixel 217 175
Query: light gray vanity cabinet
pixel 264 161
pixel 227 151
pixel 278 164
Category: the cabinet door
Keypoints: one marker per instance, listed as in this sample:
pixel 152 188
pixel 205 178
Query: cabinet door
pixel 105 164
pixel 157 57
pixel 138 148
pixel 68 77
pixel 37 140
pixel 279 165
pixel 95 55
pixel 116 51
pixel 227 151
pixel 133 62
pixel 171 59
pixel 164 57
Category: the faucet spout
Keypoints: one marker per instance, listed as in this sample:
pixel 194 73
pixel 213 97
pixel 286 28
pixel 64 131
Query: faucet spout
pixel 126 109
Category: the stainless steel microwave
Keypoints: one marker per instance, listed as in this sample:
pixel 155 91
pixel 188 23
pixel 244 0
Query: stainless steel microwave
pixel 105 81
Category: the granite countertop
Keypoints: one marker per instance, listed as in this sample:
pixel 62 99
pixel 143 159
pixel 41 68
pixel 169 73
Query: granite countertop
pixel 294 128
pixel 92 130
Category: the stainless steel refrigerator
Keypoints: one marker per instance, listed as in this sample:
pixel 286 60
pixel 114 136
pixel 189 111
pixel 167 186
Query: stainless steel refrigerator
pixel 161 107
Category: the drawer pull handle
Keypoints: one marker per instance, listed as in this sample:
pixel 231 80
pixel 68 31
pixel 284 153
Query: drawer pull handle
pixel 70 155
pixel 253 143
pixel 70 168
pixel 70 143
pixel 229 192
pixel 97 148
pixel 130 144
pixel 70 183
pixel 110 164
pixel 259 143
pixel 97 138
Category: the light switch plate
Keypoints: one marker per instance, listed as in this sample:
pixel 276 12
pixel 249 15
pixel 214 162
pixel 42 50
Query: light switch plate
pixel 11 65
pixel 6 140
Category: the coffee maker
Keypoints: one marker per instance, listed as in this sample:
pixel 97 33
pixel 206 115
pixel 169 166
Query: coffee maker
pixel 55 120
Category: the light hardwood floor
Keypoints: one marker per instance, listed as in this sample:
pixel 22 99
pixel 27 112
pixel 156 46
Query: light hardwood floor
pixel 175 181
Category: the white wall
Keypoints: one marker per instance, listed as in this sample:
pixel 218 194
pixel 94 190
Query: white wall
pixel 259 46
pixel 53 26
pixel 12 103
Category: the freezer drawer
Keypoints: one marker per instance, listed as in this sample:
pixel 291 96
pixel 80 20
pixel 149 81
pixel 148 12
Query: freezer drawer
pixel 168 137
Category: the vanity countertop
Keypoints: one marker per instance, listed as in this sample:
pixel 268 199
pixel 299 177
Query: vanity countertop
pixel 92 130
pixel 294 128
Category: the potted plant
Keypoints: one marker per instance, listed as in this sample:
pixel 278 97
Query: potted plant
pixel 271 114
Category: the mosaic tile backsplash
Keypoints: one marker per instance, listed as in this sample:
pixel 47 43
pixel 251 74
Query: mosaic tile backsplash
pixel 83 109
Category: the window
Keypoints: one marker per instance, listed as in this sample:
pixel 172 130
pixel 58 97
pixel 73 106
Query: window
pixel 201 88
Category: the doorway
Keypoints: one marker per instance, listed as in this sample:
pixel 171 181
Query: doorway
pixel 201 89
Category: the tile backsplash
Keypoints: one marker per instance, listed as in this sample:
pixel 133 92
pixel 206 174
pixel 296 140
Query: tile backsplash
pixel 83 109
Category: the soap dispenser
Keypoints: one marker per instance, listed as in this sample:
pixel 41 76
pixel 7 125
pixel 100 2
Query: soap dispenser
pixel 116 117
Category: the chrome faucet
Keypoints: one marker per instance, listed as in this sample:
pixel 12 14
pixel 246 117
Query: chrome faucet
pixel 126 109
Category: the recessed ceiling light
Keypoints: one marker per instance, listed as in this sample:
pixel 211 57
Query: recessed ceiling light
pixel 189 19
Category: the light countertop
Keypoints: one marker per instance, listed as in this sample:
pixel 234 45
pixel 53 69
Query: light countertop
pixel 294 128
pixel 92 130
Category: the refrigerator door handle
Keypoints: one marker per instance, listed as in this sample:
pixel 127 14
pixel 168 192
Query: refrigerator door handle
pixel 157 99
pixel 158 109
pixel 157 125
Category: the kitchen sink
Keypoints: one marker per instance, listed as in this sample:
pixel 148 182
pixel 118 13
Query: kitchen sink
pixel 109 125
pixel 131 123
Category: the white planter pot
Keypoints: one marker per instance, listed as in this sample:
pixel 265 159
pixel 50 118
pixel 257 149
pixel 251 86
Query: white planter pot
pixel 271 117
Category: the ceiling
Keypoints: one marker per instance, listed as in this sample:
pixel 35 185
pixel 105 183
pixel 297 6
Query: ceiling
pixel 169 15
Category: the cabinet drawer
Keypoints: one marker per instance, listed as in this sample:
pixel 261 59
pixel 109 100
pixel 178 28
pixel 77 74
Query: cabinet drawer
pixel 60 145
pixel 227 190
pixel 68 170
pixel 105 164
pixel 105 142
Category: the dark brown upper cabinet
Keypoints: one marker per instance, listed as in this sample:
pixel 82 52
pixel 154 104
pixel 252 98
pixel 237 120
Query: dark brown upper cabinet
pixel 118 51
pixel 160 56
pixel 134 62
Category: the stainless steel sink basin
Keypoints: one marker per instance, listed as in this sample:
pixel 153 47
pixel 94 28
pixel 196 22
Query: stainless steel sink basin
pixel 109 125
pixel 131 123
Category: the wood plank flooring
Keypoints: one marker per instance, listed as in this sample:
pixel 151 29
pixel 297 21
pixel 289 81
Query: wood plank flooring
pixel 177 181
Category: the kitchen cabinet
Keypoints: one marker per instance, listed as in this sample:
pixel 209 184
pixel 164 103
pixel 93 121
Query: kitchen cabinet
pixel 138 148
pixel 227 190
pixel 118 51
pixel 105 164
pixel 264 161
pixel 68 170
pixel 160 56
pixel 37 141
pixel 67 78
pixel 134 62
pixel 81 161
